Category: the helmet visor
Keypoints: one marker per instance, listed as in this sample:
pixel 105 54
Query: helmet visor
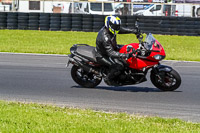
pixel 115 27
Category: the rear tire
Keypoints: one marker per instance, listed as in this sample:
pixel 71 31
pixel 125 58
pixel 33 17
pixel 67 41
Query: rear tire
pixel 171 82
pixel 84 78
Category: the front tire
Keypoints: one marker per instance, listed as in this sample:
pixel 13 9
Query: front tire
pixel 83 78
pixel 166 81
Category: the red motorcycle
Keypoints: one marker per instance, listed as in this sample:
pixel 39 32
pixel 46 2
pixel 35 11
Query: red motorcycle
pixel 87 72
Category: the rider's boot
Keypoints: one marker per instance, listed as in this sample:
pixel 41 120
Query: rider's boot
pixel 110 78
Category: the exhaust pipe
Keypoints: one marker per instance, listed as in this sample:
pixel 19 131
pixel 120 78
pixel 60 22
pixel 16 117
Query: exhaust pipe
pixel 85 67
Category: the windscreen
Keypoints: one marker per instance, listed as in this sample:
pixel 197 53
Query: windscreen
pixel 98 7
pixel 108 7
pixel 150 40
pixel 148 7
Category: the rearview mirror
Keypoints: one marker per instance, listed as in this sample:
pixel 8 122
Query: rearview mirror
pixel 85 9
pixel 152 10
pixel 128 48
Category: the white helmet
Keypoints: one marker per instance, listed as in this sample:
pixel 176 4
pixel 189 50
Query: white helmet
pixel 113 24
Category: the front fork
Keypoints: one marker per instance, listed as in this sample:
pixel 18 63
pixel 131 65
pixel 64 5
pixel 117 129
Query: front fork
pixel 161 70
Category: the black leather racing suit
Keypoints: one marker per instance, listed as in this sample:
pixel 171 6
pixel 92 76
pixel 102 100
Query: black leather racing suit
pixel 107 50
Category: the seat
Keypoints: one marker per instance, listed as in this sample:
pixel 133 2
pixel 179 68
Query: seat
pixel 87 52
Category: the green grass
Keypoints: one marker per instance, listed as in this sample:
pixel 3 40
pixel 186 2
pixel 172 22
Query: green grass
pixel 35 118
pixel 18 117
pixel 57 42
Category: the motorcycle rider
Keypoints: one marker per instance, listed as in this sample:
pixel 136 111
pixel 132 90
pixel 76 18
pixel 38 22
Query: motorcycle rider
pixel 107 50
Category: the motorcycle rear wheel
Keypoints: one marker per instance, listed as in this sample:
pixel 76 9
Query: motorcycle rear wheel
pixel 84 78
pixel 171 81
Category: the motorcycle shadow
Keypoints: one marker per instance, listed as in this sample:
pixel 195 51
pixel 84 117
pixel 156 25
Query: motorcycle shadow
pixel 129 89
pixel 126 88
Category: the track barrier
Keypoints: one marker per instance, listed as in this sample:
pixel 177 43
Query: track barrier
pixel 164 25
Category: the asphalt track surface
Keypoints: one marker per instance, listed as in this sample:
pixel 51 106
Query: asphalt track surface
pixel 44 79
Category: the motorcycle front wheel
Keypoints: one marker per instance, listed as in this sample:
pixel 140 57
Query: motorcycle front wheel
pixel 83 78
pixel 166 81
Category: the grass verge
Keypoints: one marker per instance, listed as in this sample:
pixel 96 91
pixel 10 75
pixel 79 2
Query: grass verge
pixel 58 42
pixel 19 117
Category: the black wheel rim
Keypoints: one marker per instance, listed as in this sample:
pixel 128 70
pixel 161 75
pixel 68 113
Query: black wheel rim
pixel 86 77
pixel 168 81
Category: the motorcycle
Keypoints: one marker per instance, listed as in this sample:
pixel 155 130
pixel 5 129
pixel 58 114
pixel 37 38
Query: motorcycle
pixel 147 54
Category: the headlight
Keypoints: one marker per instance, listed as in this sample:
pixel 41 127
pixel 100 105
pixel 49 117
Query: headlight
pixel 158 57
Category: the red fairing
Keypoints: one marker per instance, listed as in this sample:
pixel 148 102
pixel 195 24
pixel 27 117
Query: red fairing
pixel 159 50
pixel 149 61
